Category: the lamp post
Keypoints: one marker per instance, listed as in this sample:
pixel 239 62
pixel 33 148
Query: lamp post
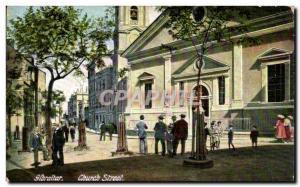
pixel 198 158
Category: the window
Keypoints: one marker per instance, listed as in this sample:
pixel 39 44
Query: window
pixel 181 94
pixel 134 13
pixel 221 82
pixel 276 82
pixel 148 90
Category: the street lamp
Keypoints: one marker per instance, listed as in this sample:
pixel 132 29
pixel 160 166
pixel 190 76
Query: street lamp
pixel 198 158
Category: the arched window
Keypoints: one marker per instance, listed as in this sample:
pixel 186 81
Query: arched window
pixel 134 13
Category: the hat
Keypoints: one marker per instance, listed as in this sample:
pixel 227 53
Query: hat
pixel 182 115
pixel 280 116
pixel 161 117
pixel 291 117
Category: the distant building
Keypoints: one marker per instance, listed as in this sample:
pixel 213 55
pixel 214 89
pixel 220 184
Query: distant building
pixel 76 104
pixel 25 116
pixel 131 21
pixel 99 82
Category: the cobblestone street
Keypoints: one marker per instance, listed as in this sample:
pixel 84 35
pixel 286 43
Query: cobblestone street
pixel 102 150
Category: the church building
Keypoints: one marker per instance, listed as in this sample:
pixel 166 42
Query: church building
pixel 241 85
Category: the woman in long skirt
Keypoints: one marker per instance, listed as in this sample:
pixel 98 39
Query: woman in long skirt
pixel 280 129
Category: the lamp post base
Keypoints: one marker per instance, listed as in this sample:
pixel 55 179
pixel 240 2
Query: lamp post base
pixel 202 164
pixel 121 153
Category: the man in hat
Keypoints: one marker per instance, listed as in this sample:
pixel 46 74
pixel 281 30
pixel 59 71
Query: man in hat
pixel 180 132
pixel 159 134
pixel 141 127
pixel 102 131
pixel 58 142
pixel 37 145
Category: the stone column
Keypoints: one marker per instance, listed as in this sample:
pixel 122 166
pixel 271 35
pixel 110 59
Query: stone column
pixel 264 83
pixel 215 92
pixel 167 86
pixel 237 72
pixel 167 74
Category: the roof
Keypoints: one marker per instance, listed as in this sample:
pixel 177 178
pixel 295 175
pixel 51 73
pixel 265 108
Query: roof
pixel 259 19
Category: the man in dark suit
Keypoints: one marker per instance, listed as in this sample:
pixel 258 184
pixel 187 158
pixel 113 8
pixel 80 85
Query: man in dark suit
pixel 66 131
pixel 180 132
pixel 58 142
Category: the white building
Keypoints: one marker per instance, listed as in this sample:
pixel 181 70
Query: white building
pixel 76 104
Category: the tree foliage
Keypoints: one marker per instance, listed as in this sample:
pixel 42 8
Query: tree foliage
pixel 60 39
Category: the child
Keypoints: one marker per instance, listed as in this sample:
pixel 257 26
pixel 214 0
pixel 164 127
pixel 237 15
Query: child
pixel 230 137
pixel 253 135
pixel 170 138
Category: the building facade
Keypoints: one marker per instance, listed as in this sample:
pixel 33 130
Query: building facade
pixel 130 22
pixel 98 82
pixel 242 85
pixel 76 104
pixel 25 116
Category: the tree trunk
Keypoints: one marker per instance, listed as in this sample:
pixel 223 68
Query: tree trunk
pixel 9 130
pixel 36 96
pixel 48 125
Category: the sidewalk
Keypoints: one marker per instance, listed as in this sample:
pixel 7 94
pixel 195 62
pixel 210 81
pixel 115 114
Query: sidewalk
pixel 102 150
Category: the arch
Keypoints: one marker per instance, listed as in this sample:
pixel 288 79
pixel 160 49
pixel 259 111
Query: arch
pixel 134 13
pixel 207 87
pixel 205 98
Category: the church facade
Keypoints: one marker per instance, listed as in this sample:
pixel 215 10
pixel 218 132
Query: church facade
pixel 241 85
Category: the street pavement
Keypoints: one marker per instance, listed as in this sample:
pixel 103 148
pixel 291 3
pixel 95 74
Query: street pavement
pixel 102 150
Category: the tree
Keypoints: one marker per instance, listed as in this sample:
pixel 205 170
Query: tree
pixel 204 28
pixel 14 99
pixel 60 40
pixel 58 99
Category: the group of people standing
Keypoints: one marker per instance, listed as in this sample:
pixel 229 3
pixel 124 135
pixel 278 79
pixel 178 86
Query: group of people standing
pixel 215 132
pixel 175 132
pixel 60 135
pixel 284 128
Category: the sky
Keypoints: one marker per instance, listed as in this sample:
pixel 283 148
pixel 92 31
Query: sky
pixel 71 83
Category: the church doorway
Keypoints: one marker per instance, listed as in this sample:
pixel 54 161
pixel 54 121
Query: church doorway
pixel 204 99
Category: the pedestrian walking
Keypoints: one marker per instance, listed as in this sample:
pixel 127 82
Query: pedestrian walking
pixel 141 127
pixel 17 132
pixel 66 131
pixel 213 136
pixel 219 133
pixel 230 137
pixel 206 133
pixel 72 132
pixel 180 132
pixel 280 129
pixel 36 145
pixel 253 136
pixel 159 135
pixel 102 131
pixel 58 142
pixel 110 129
